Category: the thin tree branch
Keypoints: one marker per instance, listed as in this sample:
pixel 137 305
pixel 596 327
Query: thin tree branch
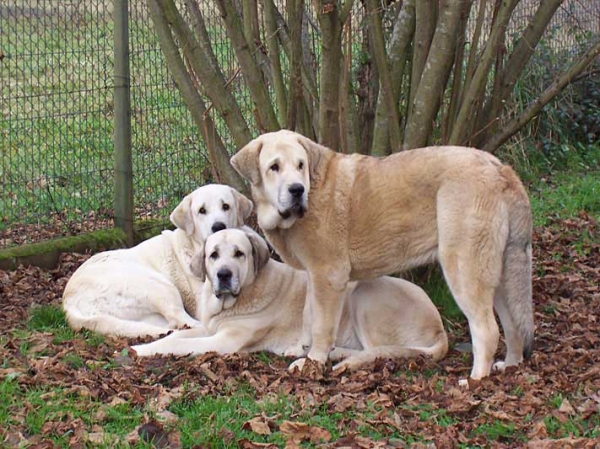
pixel 435 76
pixel 210 76
pixel 551 92
pixel 250 70
pixel 398 50
pixel 274 58
pixel 386 90
pixel 476 87
pixel 218 155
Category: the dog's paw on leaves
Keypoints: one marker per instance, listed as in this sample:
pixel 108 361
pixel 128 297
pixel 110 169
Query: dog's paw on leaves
pixel 308 368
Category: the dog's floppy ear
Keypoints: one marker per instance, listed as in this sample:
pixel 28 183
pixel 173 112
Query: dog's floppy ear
pixel 182 216
pixel 315 153
pixel 244 207
pixel 260 250
pixel 197 266
pixel 245 161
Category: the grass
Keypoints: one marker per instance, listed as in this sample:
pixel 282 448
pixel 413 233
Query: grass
pixel 57 122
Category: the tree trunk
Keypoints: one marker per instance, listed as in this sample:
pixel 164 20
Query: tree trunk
pixel 274 58
pixel 473 96
pixel 219 157
pixel 386 90
pixel 435 76
pixel 513 68
pixel 204 65
pixel 264 112
pixel 331 58
pixel 398 49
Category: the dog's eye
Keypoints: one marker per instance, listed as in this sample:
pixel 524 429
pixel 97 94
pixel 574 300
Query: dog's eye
pixel 300 165
pixel 238 254
pixel 202 211
pixel 225 206
pixel 214 255
pixel 274 167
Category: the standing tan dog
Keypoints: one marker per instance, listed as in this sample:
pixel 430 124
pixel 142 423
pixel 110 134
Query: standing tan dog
pixel 345 217
pixel 150 289
pixel 252 303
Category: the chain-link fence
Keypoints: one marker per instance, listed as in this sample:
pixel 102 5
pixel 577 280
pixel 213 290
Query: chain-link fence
pixel 57 106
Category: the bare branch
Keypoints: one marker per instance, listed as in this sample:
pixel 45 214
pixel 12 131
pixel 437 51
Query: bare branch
pixel 266 117
pixel 274 58
pixel 210 76
pixel 551 92
pixel 398 48
pixel 517 61
pixel 386 90
pixel 435 76
pixel 471 97
pixel 219 157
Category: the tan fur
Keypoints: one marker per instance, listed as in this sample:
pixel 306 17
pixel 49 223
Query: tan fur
pixel 150 288
pixel 361 217
pixel 263 309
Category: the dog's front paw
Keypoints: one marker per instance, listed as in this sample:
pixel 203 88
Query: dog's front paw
pixel 308 367
pixel 499 366
pixel 297 365
pixel 463 383
pixel 143 350
pixel 296 351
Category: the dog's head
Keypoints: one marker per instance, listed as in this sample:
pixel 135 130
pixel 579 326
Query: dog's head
pixel 209 209
pixel 232 260
pixel 279 165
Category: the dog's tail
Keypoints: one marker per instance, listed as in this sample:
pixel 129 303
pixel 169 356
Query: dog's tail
pixel 436 351
pixel 111 325
pixel 515 290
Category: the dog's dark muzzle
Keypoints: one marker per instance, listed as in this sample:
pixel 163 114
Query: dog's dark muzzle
pixel 297 210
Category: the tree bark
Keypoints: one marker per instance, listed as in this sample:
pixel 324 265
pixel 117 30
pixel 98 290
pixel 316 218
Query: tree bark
pixel 386 89
pixel 398 48
pixel 435 76
pixel 447 121
pixel 331 58
pixel 426 14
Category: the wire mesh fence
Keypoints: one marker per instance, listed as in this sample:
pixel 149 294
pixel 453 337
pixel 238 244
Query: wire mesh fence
pixel 57 106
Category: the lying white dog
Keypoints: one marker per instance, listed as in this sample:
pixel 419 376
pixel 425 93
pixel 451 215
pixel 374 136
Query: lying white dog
pixel 253 303
pixel 149 289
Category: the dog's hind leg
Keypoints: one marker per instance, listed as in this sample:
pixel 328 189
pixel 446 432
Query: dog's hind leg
pixel 111 325
pixel 513 303
pixel 470 253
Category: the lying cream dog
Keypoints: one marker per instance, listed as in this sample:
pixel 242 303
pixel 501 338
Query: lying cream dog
pixel 149 289
pixel 348 217
pixel 253 303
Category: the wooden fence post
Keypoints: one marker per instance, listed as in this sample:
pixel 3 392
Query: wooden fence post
pixel 122 117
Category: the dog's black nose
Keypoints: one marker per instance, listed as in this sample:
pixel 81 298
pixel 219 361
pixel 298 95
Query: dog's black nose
pixel 224 275
pixel 218 226
pixel 296 190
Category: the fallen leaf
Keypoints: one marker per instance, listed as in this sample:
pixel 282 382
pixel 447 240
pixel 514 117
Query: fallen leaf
pixel 566 407
pixel 257 425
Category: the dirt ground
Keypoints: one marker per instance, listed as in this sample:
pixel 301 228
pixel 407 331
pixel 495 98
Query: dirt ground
pixel 560 384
